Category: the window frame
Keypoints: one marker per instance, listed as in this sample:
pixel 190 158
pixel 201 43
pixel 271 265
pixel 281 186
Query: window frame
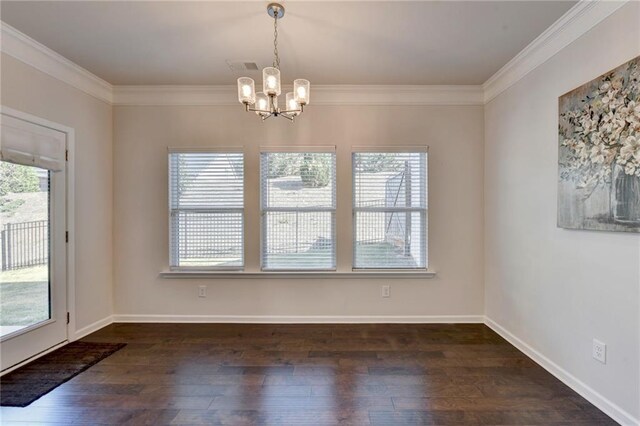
pixel 332 210
pixel 252 221
pixel 423 211
pixel 172 243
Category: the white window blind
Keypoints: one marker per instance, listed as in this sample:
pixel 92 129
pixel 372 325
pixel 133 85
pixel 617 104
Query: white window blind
pixel 206 202
pixel 298 203
pixel 31 145
pixel 390 210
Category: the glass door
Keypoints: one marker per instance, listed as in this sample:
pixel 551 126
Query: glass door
pixel 24 241
pixel 33 307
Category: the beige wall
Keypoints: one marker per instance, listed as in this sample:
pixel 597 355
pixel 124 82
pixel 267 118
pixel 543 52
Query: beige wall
pixel 553 288
pixel 29 90
pixel 454 134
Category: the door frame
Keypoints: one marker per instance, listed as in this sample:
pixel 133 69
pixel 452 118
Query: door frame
pixel 70 222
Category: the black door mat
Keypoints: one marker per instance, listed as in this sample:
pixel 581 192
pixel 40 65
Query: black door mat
pixel 26 384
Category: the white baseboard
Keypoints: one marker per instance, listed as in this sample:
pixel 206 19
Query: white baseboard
pixel 316 319
pixel 608 407
pixel 84 331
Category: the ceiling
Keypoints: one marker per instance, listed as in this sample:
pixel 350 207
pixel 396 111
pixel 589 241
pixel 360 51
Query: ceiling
pixel 326 42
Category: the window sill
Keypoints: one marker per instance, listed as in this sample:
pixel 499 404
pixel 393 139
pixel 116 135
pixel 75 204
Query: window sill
pixel 310 274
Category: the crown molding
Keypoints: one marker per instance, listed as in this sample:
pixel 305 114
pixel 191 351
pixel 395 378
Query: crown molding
pixel 322 95
pixel 174 95
pixel 397 95
pixel 578 20
pixel 31 52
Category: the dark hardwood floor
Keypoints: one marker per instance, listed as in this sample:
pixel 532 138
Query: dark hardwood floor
pixel 393 374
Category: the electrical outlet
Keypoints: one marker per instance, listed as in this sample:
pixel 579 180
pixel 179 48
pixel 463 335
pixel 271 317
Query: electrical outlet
pixel 202 291
pixel 599 351
pixel 386 291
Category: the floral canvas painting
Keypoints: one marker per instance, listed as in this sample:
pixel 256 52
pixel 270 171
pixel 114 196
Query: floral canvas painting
pixel 599 153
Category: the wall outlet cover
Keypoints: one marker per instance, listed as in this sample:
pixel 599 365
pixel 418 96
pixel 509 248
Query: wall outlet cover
pixel 599 351
pixel 386 291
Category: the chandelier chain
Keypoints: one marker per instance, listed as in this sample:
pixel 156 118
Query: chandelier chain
pixel 276 62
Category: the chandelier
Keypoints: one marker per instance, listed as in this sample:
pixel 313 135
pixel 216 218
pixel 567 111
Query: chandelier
pixel 265 103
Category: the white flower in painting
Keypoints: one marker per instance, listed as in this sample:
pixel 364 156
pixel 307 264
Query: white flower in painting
pixel 588 125
pixel 618 101
pixel 630 149
pixel 625 110
pixel 595 104
pixel 605 87
pixel 630 168
pixel 607 122
pixel 617 127
pixel 582 150
pixel 632 113
pixel 606 98
pixel 596 138
pixel 598 154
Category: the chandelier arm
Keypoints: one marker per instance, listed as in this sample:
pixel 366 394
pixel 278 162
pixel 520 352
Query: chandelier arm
pixel 249 109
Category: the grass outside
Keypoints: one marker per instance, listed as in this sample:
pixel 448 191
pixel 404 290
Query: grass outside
pixel 24 296
pixel 312 258
pixel 382 256
pixel 376 255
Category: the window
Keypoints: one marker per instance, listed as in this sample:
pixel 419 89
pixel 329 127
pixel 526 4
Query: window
pixel 298 205
pixel 206 200
pixel 390 210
